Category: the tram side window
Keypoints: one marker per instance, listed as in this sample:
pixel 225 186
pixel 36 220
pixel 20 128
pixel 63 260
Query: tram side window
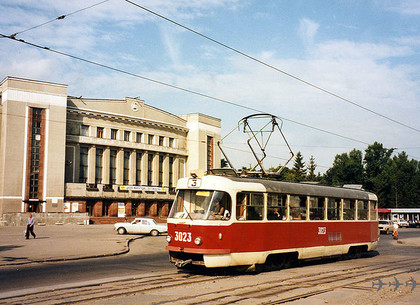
pixel 348 209
pixel 316 208
pixel 276 206
pixel 373 210
pixel 178 205
pixel 221 206
pixel 298 207
pixel 333 209
pixel 249 206
pixel 362 210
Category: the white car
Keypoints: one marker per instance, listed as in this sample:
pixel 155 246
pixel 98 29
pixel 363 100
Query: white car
pixel 403 223
pixel 386 226
pixel 141 226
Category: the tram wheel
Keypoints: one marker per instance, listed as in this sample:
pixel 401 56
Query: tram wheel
pixel 354 252
pixel 277 261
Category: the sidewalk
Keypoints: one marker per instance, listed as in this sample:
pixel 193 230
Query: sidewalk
pixel 60 242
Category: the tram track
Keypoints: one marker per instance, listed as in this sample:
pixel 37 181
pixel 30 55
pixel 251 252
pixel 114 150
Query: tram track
pixel 293 285
pixel 282 289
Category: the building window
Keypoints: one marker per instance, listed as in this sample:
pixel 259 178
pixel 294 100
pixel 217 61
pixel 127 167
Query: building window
pixel 35 153
pixel 161 139
pixel 138 137
pixel 138 167
pixel 171 142
pixel 171 171
pixel 83 168
pixel 114 134
pixel 127 135
pixel 126 173
pixel 112 166
pixel 84 130
pixel 99 132
pixel 209 153
pixel 160 180
pixel 98 166
pixel 150 139
pixel 149 169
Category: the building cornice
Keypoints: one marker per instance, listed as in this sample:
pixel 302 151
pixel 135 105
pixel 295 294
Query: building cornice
pixel 125 118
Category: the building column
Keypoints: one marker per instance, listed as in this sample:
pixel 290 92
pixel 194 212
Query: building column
pixel 120 166
pixel 141 208
pixel 91 164
pixel 113 209
pixel 166 170
pixel 82 207
pixel 128 206
pixel 97 209
pixel 176 170
pixel 153 209
pixel 165 209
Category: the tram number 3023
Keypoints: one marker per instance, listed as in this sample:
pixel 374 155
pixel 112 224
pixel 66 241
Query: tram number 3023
pixel 183 236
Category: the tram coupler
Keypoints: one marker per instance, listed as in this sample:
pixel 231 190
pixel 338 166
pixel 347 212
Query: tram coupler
pixel 183 263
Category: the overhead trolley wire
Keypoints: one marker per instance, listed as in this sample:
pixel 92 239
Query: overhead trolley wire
pixel 58 18
pixel 173 86
pixel 271 66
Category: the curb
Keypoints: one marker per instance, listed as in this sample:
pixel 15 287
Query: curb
pixel 63 259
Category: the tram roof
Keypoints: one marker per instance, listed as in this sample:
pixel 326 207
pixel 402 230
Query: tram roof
pixel 308 189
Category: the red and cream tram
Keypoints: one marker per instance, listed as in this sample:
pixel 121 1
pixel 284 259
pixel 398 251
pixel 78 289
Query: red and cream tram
pixel 222 221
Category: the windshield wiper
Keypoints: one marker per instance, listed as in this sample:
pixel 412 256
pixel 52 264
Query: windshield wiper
pixel 183 205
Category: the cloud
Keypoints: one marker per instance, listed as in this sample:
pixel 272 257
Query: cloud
pixel 120 35
pixel 307 31
pixel 348 50
pixel 407 7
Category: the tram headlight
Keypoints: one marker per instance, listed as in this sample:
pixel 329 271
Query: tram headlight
pixel 168 238
pixel 197 241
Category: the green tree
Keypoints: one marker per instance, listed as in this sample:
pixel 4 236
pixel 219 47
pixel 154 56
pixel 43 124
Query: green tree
pixel 346 169
pixel 311 169
pixel 394 179
pixel 377 160
pixel 404 188
pixel 298 172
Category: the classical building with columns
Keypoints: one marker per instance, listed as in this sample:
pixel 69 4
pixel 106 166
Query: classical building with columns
pixel 107 158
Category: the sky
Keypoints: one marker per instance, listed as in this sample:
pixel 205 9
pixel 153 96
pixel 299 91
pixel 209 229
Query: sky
pixel 364 55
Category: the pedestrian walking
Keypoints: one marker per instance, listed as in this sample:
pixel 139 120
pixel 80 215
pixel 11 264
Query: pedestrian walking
pixel 395 232
pixel 30 226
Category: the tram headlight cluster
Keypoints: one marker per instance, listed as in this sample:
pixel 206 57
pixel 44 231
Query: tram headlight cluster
pixel 197 241
pixel 168 238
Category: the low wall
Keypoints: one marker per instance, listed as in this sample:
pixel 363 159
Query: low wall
pixel 19 219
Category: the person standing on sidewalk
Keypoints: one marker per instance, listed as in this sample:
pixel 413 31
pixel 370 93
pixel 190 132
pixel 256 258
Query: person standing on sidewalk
pixel 30 226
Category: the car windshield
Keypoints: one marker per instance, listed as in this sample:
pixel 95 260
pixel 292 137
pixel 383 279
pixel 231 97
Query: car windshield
pixel 201 204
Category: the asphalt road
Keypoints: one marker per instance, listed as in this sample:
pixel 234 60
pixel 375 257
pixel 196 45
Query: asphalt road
pixel 138 260
pixel 49 274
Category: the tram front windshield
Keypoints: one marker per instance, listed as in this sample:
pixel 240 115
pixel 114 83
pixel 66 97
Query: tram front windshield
pixel 201 204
